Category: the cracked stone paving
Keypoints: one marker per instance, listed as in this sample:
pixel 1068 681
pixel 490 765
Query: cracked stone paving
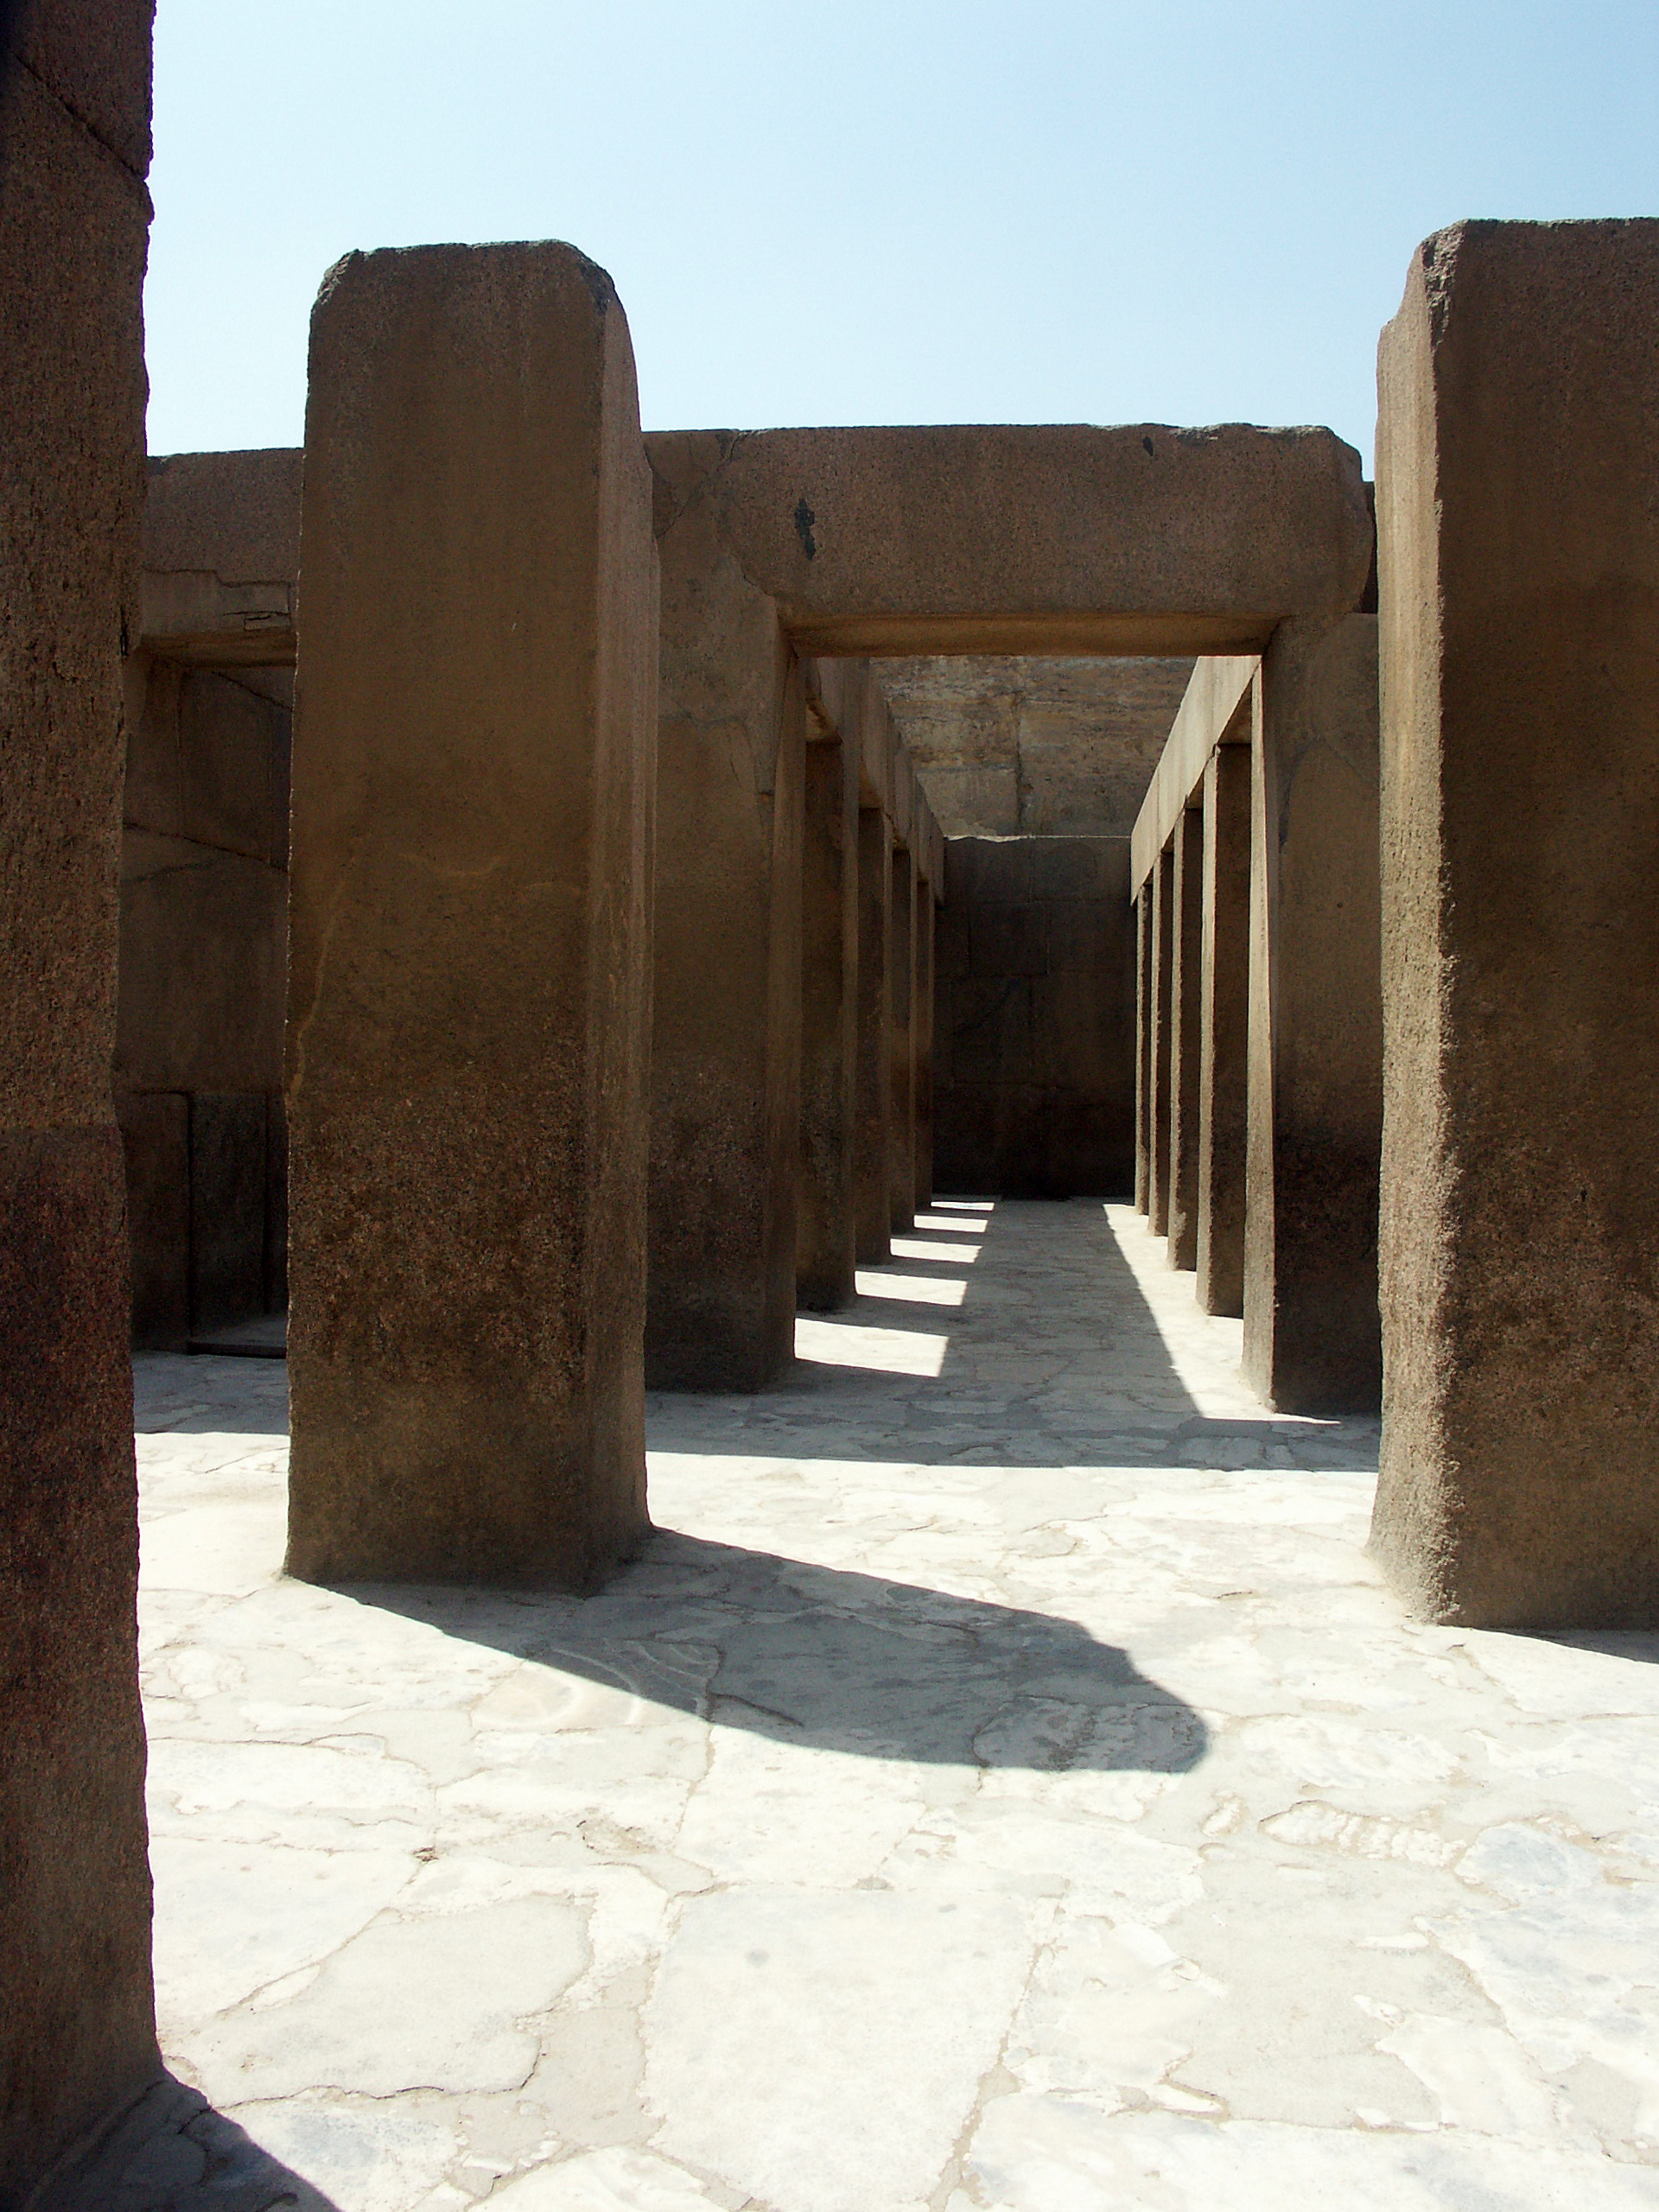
pixel 1003 1782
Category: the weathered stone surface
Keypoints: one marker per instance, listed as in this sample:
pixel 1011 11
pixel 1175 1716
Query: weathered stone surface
pixel 155 1142
pixel 203 965
pixel 77 2040
pixel 926 1022
pixel 825 1257
pixel 874 1083
pixel 1136 539
pixel 1033 1047
pixel 725 1116
pixel 1144 987
pixel 1185 1034
pixel 1517 450
pixel 1312 1332
pixel 1163 989
pixel 470 925
pixel 1223 1042
pixel 221 547
pixel 901 1043
pixel 1007 745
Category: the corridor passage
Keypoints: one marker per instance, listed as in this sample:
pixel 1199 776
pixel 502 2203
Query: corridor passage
pixel 1003 1785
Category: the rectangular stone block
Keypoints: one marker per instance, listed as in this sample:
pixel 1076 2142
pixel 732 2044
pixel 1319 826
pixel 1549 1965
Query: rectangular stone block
pixel 1144 987
pixel 901 1044
pixel 1224 1020
pixel 1185 1038
pixel 926 1019
pixel 1312 1342
pixel 1517 456
pixel 1163 987
pixel 726 1049
pixel 872 1206
pixel 470 925
pixel 825 1255
pixel 77 2037
pixel 204 955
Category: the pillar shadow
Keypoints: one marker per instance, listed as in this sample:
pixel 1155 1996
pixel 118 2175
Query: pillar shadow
pixel 836 1661
pixel 171 2152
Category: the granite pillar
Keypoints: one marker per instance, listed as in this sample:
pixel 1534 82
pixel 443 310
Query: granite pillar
pixel 1312 1332
pixel 1185 1030
pixel 1517 456
pixel 1144 1025
pixel 78 2041
pixel 726 1047
pixel 1224 995
pixel 872 1204
pixel 825 1253
pixel 1159 1054
pixel 467 1042
pixel 927 1009
pixel 901 1044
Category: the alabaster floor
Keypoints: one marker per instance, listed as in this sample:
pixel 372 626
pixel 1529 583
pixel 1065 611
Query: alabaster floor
pixel 1004 1782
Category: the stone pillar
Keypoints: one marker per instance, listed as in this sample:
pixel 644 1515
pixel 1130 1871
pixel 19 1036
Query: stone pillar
pixel 925 1012
pixel 726 1047
pixel 872 1209
pixel 470 925
pixel 1163 980
pixel 1144 1024
pixel 1312 1335
pixel 1224 1022
pixel 825 1256
pixel 78 2038
pixel 1185 1035
pixel 902 1112
pixel 1517 456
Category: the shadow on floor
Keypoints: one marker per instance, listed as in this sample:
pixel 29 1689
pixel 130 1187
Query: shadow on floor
pixel 835 1660
pixel 172 2152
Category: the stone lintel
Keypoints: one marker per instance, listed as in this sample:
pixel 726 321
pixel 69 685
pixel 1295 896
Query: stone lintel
pixel 1215 711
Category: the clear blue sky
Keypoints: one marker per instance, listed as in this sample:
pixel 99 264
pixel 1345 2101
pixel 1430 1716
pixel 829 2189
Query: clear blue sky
pixel 894 212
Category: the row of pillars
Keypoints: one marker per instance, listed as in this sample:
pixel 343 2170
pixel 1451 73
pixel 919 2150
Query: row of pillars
pixel 1259 1092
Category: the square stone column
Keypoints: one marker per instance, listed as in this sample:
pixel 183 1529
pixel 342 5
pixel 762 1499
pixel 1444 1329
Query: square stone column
pixel 1159 1056
pixel 1517 460
pixel 926 996
pixel 1186 1028
pixel 1223 1019
pixel 726 1047
pixel 1144 1025
pixel 78 2038
pixel 902 1112
pixel 470 925
pixel 1312 1338
pixel 873 1210
pixel 825 1253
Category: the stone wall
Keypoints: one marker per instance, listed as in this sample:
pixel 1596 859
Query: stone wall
pixel 1034 1042
pixel 1044 747
pixel 199 1032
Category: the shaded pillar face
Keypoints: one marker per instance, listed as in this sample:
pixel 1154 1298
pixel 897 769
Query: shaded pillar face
pixel 825 1261
pixel 1184 1032
pixel 78 2037
pixel 726 1039
pixel 1312 1333
pixel 469 924
pixel 873 1206
pixel 1223 1023
pixel 1517 452
pixel 1163 980
pixel 902 1112
pixel 1144 1025
pixel 925 1011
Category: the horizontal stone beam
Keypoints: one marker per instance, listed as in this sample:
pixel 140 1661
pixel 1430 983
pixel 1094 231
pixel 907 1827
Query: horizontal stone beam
pixel 221 552
pixel 1215 711
pixel 1057 539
